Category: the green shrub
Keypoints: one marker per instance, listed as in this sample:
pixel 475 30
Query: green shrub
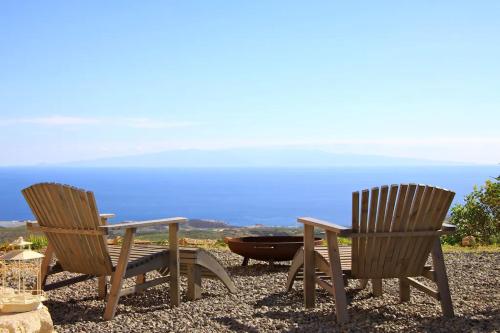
pixel 220 244
pixel 479 216
pixel 4 246
pixel 38 241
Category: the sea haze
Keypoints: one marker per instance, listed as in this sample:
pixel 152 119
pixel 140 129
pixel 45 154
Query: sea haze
pixel 238 196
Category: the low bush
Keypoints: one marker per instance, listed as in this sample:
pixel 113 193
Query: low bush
pixel 479 216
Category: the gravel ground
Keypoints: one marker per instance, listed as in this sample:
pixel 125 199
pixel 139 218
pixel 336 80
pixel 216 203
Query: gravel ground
pixel 262 305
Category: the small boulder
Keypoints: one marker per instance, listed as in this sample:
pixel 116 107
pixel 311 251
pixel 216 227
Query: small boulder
pixel 37 321
pixel 469 241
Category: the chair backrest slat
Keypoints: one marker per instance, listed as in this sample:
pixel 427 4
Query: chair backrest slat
pixel 396 209
pixel 439 214
pixel 407 247
pixel 355 228
pixel 363 223
pixel 398 244
pixel 66 207
pixel 379 226
pixel 372 219
pixel 386 227
pixel 399 208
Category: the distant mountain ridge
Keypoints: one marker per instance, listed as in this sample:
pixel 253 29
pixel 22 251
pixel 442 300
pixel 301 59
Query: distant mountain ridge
pixel 269 157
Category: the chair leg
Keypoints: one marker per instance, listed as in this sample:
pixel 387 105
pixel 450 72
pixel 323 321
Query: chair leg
pixel 140 279
pixel 113 297
pixel 404 290
pixel 309 267
pixel 194 282
pixel 208 262
pixel 337 279
pixel 117 278
pixel 45 266
pixel 377 287
pixel 442 279
pixel 102 286
pixel 297 264
pixel 174 264
pixel 245 261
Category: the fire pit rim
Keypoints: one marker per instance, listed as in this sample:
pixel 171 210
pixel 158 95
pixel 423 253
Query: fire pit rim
pixel 267 248
pixel 243 240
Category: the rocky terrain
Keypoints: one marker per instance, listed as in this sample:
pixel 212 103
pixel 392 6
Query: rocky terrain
pixel 263 305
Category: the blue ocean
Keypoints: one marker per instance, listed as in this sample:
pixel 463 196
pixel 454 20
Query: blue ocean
pixel 274 197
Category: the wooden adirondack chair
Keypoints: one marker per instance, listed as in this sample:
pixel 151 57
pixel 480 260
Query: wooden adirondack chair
pixel 77 235
pixel 394 229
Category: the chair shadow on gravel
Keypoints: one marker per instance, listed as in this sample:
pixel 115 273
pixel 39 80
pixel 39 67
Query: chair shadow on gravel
pixel 301 318
pixel 296 297
pixel 281 298
pixel 235 325
pixel 62 313
pixel 360 317
pixel 489 322
pixel 292 304
pixel 257 269
pixel 388 314
pixel 77 310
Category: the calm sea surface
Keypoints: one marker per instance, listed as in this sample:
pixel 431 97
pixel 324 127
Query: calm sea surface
pixel 236 196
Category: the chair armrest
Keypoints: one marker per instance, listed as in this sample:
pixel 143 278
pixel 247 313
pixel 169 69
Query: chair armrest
pixel 338 229
pixel 105 217
pixel 448 228
pixel 141 224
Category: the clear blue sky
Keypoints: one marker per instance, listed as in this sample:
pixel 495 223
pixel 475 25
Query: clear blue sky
pixel 87 79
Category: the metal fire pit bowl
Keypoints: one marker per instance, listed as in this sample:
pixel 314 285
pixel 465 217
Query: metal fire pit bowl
pixel 267 248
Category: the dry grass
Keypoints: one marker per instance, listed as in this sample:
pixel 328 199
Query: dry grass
pixel 472 249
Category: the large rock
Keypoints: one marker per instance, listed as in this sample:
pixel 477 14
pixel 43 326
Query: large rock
pixel 34 321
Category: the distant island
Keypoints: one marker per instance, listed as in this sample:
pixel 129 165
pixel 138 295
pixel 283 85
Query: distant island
pixel 253 157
